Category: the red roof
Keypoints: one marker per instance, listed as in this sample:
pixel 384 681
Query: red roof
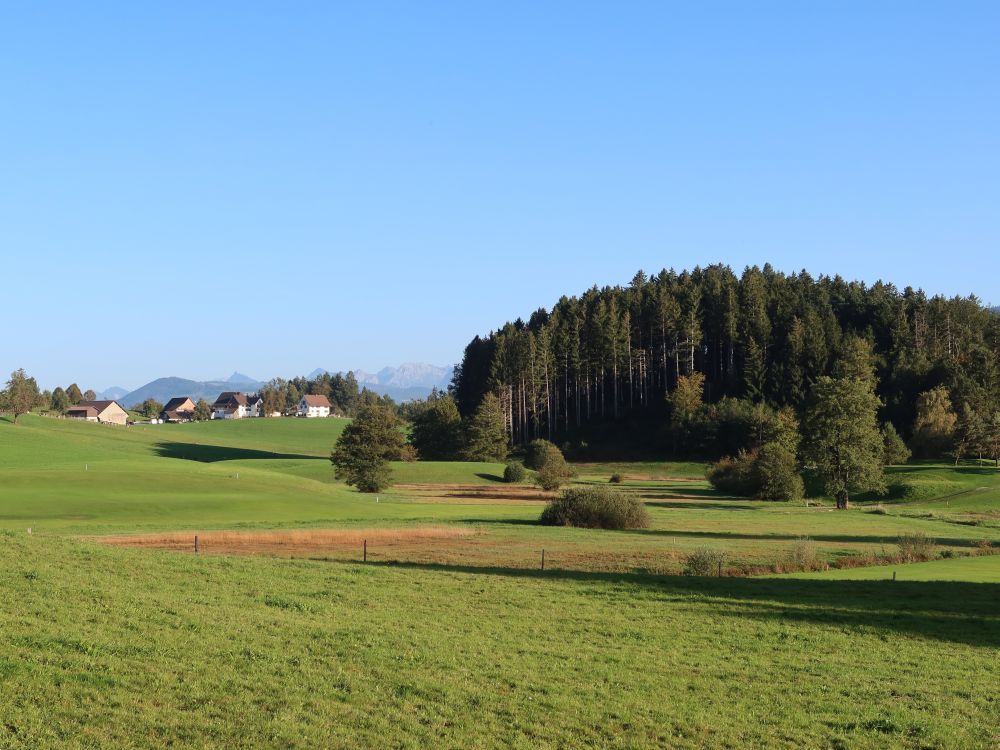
pixel 317 401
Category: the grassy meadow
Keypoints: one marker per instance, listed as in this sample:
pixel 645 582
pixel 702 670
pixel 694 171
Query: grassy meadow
pixel 458 639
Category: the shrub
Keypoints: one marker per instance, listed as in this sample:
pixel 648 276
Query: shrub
pixel 616 479
pixel 596 508
pixel 778 474
pixel 537 452
pixel 734 476
pixel 915 547
pixel 704 561
pixel 514 472
pixel 551 468
pixel 803 554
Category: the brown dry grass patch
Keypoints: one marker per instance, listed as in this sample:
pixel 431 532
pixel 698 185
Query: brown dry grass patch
pixel 293 542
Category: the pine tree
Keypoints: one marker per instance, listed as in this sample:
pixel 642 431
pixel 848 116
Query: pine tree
pixel 485 436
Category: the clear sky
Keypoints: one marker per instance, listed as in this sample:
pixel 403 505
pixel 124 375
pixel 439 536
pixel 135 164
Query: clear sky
pixel 195 188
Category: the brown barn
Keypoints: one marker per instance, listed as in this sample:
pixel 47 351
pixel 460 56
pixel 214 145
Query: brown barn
pixel 178 409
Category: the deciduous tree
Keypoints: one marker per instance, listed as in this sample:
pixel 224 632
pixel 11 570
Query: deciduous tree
pixel 365 447
pixel 934 426
pixel 202 411
pixel 842 439
pixel 20 395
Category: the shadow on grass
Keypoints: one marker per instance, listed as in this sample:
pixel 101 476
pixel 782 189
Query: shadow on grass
pixel 954 611
pixel 845 538
pixel 682 505
pixel 489 477
pixel 213 453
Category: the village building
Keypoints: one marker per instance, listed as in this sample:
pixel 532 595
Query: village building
pixel 178 409
pixel 105 412
pixel 314 406
pixel 237 405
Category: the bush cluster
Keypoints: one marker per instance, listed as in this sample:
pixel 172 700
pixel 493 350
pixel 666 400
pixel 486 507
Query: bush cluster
pixel 616 478
pixel 770 473
pixel 596 508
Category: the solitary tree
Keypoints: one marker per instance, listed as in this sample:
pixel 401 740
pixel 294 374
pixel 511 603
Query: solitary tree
pixel 485 433
pixel 202 411
pixel 89 395
pixel 365 447
pixel 842 437
pixel 20 394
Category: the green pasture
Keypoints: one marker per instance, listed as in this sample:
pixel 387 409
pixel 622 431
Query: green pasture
pixel 470 645
pixel 108 647
pixel 64 477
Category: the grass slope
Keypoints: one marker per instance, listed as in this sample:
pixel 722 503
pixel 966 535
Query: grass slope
pixel 193 651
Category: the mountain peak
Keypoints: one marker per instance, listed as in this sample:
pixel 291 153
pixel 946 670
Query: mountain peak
pixel 239 377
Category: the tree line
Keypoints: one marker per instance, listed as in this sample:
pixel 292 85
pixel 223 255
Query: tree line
pixel 762 338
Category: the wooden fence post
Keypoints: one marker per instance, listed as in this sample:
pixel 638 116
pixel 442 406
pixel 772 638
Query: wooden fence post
pixel 196 544
pixel 894 575
pixel 364 551
pixel 543 558
pixel 720 570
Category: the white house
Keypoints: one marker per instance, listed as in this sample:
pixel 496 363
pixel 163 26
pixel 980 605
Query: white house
pixel 314 406
pixel 235 405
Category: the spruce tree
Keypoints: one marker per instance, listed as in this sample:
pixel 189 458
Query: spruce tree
pixel 485 434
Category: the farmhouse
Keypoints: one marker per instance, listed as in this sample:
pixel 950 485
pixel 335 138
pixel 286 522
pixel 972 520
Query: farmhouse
pixel 178 409
pixel 105 412
pixel 236 405
pixel 314 406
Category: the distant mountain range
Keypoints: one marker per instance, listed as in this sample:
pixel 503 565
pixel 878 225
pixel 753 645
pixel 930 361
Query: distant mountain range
pixel 411 380
pixel 164 389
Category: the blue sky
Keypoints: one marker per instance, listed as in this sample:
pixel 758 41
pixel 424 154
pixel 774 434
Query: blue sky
pixel 195 188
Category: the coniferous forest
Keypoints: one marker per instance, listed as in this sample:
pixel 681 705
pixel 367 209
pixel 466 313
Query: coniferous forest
pixel 610 359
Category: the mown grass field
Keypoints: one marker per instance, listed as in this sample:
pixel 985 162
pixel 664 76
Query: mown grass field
pixel 460 641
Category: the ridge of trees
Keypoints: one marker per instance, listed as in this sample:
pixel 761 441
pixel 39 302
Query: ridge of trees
pixel 763 338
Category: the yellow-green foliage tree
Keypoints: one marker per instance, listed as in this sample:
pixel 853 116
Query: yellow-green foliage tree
pixel 934 426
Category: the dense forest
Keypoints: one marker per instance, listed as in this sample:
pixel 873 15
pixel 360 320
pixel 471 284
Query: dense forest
pixel 614 355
